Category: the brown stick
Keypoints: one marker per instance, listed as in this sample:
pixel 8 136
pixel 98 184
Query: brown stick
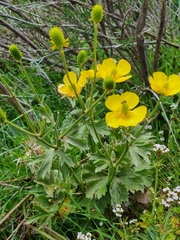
pixel 140 41
pixel 160 34
pixel 14 209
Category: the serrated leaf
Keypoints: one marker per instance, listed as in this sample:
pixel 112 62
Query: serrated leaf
pixel 47 112
pixel 81 144
pixel 118 192
pixel 97 188
pixel 46 165
pixel 101 129
pixel 63 158
pixel 100 161
pixel 137 155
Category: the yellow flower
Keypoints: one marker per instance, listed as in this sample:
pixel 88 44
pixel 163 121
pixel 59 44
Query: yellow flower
pixel 67 90
pixel 57 38
pixel 123 113
pixel 161 84
pixel 118 71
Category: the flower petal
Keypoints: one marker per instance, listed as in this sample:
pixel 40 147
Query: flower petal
pixel 65 90
pixel 122 79
pixel 138 115
pixel 123 67
pixel 105 69
pixel 157 82
pixel 112 120
pixel 89 73
pixel 174 84
pixel 130 98
pixel 72 77
pixel 82 81
pixel 113 102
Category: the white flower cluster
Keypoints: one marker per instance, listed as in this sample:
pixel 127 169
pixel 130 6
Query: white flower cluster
pixel 174 106
pixel 87 236
pixel 160 148
pixel 171 197
pixel 118 210
pixel 148 127
pixel 161 133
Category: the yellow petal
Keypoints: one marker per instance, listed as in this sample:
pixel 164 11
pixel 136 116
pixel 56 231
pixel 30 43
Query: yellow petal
pixel 113 102
pixel 82 81
pixel 122 79
pixel 89 73
pixel 174 84
pixel 157 82
pixel 123 67
pixel 72 77
pixel 105 69
pixel 65 90
pixel 130 98
pixel 138 115
pixel 112 119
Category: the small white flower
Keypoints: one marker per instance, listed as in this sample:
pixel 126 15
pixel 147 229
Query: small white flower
pixel 161 132
pixel 174 106
pixel 132 221
pixel 101 224
pixel 148 127
pixel 162 139
pixel 166 189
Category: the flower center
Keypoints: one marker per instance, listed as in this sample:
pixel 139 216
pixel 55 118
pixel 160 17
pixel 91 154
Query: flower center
pixel 166 85
pixel 125 108
pixel 113 72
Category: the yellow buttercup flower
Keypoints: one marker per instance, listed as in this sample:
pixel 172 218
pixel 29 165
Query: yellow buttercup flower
pixel 67 90
pixel 57 38
pixel 122 110
pixel 161 84
pixel 118 71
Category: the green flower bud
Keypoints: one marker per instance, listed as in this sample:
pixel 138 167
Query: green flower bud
pixel 2 116
pixel 15 52
pixel 82 57
pixel 97 13
pixel 109 83
pixel 57 38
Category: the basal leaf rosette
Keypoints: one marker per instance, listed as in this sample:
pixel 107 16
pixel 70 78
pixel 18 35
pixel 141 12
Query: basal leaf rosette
pixel 123 111
pixel 118 71
pixel 162 84
pixel 72 86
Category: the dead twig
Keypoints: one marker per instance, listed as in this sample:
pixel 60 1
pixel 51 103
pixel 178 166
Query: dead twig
pixel 160 33
pixel 140 41
pixel 5 218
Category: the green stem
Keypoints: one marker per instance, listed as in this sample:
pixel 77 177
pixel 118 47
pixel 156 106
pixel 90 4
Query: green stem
pixel 155 189
pixel 113 168
pixel 20 129
pixel 95 60
pixel 22 110
pixel 99 139
pixel 31 134
pixel 83 115
pixel 76 178
pixel 30 83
